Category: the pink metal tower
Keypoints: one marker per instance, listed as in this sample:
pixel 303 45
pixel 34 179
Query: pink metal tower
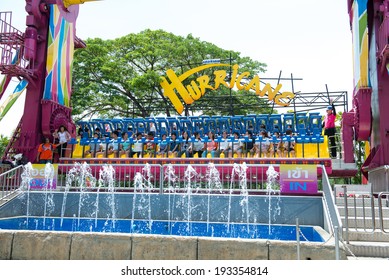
pixel 369 118
pixel 44 60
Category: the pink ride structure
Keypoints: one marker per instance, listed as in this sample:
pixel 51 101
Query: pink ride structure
pixel 43 60
pixel 369 118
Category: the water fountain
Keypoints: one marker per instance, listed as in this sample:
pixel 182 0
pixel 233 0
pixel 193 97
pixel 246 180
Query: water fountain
pixel 141 201
pixel 107 180
pixel 272 179
pixel 48 187
pixel 194 201
pixel 213 183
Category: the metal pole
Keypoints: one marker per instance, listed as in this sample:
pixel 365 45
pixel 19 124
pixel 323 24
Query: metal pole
pixel 231 108
pixel 345 212
pixel 298 238
pixel 294 99
pixel 328 95
pixel 336 243
pixel 278 82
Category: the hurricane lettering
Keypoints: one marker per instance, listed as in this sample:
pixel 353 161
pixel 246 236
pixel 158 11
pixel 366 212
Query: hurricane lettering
pixel 177 92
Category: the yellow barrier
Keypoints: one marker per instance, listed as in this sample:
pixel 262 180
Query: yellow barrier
pixel 77 152
pixel 311 149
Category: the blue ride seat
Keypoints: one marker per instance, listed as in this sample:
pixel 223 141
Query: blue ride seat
pixel 128 125
pixel 140 125
pixel 85 126
pixel 249 122
pixel 94 125
pixel 214 123
pixel 302 122
pixel 174 125
pixel 223 124
pixel 151 121
pixel 186 125
pixel 106 125
pixel 162 126
pixel 288 122
pixel 237 124
pixel 261 120
pixel 198 124
pixel 210 125
pixel 314 121
pixel 117 124
pixel 316 136
pixel 275 123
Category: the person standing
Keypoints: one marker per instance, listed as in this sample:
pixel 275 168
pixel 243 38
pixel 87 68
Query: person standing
pixel 329 128
pixel 45 152
pixel 63 136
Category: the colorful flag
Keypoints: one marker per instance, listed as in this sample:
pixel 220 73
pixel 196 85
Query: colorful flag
pixel 10 101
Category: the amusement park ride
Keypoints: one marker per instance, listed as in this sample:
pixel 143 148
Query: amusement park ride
pixel 42 55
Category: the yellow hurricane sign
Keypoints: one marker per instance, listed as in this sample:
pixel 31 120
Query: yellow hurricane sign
pixel 196 88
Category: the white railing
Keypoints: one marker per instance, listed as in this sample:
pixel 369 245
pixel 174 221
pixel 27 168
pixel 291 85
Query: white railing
pixel 10 181
pixel 329 204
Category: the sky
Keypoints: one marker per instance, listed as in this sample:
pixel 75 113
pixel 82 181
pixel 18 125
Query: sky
pixel 308 39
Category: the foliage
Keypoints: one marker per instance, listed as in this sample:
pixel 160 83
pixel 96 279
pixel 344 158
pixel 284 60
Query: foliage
pixel 121 77
pixel 4 140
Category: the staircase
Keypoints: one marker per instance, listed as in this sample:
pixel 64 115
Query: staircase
pixel 364 236
pixel 10 149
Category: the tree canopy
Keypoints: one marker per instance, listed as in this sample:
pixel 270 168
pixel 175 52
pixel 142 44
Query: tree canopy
pixel 121 77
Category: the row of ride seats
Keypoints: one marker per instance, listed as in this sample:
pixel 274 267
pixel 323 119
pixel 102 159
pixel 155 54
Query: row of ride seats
pixel 308 124
pixel 307 146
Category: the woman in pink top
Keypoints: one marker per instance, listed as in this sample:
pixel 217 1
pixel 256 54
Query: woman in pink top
pixel 329 128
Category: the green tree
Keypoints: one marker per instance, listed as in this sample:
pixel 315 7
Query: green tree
pixel 121 77
pixel 4 140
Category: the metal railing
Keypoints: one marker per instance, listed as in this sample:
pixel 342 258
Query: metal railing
pixel 161 178
pixel 356 199
pixel 10 181
pixel 335 222
pixel 383 32
pixel 380 210
pixel 364 209
pixel 338 145
pixel 94 176
pixel 216 176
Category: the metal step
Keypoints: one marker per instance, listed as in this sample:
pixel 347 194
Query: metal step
pixel 352 258
pixel 367 236
pixel 367 223
pixel 364 241
pixel 368 249
pixel 359 212
pixel 339 201
pixel 9 197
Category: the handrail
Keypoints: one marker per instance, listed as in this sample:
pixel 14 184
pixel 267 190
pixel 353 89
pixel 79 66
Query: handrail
pixel 346 212
pixel 329 200
pixel 381 216
pixel 9 182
